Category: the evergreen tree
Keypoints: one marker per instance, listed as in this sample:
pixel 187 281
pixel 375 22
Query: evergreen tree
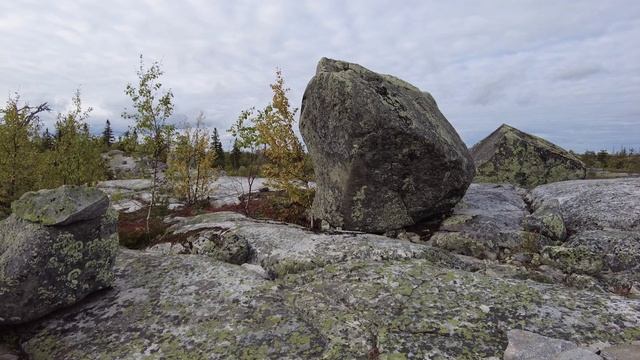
pixel 235 156
pixel 602 157
pixel 46 142
pixel 216 147
pixel 107 135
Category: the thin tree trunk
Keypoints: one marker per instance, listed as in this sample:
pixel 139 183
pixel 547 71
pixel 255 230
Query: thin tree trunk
pixel 153 194
pixel 248 200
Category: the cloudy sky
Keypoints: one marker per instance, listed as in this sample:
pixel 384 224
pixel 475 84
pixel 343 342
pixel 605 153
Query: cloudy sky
pixel 565 70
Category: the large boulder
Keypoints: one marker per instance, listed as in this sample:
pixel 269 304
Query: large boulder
pixel 385 155
pixel 509 155
pixel 55 249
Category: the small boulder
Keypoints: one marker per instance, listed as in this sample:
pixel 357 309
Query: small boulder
pixel 573 259
pixel 62 206
pixel 66 253
pixel 385 155
pixel 512 156
pixel 216 243
pixel 547 220
pixel 225 246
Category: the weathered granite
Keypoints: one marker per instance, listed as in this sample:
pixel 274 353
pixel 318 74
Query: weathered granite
pixel 191 306
pixel 594 204
pixel 486 221
pixel 61 206
pixel 389 158
pixel 512 156
pixel 44 268
pixel 284 249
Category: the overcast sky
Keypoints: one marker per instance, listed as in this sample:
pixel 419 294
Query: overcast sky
pixel 565 70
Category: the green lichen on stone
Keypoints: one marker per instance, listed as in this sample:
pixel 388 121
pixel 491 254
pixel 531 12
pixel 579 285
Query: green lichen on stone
pixel 573 259
pixel 394 356
pixel 460 243
pixel 457 219
pixel 512 156
pixel 53 266
pixel 61 206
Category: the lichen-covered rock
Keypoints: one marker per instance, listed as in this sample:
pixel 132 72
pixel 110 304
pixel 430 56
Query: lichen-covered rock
pixel 594 204
pixel 178 307
pixel 215 243
pixel 413 309
pixel 603 218
pixel 120 165
pixel 61 206
pixel 387 156
pixel 547 220
pixel 573 259
pixel 283 249
pixel 227 247
pixel 487 220
pixel 619 249
pixel 191 306
pixel 44 268
pixel 577 354
pixel 172 248
pixel 525 345
pixel 512 156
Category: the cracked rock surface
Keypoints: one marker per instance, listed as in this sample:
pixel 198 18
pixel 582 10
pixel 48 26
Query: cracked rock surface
pixel 191 306
pixel 283 249
pixel 296 294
